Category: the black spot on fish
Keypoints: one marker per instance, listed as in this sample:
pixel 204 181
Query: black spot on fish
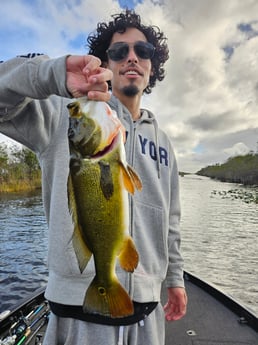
pixel 106 181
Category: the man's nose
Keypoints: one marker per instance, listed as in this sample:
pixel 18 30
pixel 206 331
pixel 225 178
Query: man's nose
pixel 132 57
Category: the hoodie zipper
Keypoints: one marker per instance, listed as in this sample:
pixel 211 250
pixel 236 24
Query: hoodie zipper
pixel 132 155
pixel 133 126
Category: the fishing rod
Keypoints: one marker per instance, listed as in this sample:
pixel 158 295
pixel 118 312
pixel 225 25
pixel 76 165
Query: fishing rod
pixel 37 329
pixel 23 329
pixel 36 311
pixel 23 320
pixel 29 329
pixel 28 336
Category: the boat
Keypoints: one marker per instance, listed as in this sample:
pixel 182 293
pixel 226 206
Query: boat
pixel 213 318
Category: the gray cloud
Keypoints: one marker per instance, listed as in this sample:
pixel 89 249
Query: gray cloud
pixel 212 122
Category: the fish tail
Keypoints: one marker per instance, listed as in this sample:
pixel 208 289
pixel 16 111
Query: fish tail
pixel 112 300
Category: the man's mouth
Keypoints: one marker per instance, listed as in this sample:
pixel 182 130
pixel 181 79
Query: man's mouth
pixel 131 73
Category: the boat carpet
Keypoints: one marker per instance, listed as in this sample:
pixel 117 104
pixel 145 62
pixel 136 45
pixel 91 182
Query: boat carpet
pixel 207 322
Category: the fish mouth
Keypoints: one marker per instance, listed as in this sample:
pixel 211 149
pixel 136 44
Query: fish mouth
pixel 107 149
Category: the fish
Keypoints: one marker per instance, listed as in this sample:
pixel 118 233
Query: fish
pixel 98 185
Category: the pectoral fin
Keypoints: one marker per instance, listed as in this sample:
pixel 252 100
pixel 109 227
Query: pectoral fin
pixel 128 257
pixel 130 178
pixel 82 251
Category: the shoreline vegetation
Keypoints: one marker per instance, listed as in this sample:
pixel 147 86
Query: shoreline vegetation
pixel 20 170
pixel 238 169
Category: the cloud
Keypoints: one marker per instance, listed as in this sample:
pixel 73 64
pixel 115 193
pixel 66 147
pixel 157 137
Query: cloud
pixel 238 149
pixel 209 99
pixel 50 27
pixel 209 93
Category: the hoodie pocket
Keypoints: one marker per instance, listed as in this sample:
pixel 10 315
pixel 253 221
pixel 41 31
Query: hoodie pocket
pixel 149 234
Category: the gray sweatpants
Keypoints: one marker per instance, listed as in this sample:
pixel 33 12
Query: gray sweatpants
pixel 67 331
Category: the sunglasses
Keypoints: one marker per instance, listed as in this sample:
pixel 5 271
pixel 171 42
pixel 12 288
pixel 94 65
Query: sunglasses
pixel 120 50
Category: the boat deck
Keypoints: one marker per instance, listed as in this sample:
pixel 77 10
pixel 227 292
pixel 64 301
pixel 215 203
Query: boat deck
pixel 209 322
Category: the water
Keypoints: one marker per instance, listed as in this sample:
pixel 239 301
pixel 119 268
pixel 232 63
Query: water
pixel 219 232
pixel 23 247
pixel 219 236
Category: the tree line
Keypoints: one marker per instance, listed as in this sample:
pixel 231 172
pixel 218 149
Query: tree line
pixel 239 169
pixel 19 169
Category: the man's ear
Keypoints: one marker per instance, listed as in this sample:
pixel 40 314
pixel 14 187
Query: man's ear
pixel 104 64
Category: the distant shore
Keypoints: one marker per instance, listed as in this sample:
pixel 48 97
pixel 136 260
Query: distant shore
pixel 239 169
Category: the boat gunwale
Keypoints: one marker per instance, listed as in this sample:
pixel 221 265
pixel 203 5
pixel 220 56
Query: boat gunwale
pixel 246 316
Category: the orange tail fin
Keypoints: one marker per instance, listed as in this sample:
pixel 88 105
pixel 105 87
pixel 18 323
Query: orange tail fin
pixel 112 300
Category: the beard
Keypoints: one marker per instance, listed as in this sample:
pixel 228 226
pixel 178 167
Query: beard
pixel 130 90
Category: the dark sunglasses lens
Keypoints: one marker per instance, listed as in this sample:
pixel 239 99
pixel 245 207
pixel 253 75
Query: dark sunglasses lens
pixel 144 50
pixel 118 52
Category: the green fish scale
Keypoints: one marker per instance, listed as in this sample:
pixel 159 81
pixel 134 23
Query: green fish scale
pixel 101 219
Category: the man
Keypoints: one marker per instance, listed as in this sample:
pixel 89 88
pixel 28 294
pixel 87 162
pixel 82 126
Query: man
pixel 33 114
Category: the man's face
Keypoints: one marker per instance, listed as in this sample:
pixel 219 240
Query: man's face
pixel 130 75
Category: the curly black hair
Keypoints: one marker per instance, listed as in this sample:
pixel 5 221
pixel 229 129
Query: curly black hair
pixel 99 41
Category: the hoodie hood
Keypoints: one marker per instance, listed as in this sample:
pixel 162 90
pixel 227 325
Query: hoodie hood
pixel 123 112
pixel 146 117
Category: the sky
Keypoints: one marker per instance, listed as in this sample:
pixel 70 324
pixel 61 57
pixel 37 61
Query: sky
pixel 208 101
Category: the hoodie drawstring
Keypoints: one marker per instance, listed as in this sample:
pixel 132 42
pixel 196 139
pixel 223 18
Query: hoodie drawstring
pixel 157 146
pixel 121 335
pixel 121 332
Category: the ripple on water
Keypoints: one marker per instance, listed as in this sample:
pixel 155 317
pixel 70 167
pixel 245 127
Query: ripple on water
pixel 219 237
pixel 23 242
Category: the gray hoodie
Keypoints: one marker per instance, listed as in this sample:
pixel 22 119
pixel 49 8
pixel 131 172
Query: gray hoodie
pixel 32 113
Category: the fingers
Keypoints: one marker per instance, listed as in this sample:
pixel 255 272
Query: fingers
pixel 99 96
pixel 94 72
pixel 98 84
pixel 98 89
pixel 173 313
pixel 175 308
pixel 86 77
pixel 90 63
pixel 100 75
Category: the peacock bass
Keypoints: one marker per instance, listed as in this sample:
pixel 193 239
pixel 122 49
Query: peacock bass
pixel 98 186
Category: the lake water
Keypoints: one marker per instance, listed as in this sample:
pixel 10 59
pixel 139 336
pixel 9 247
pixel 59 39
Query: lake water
pixel 219 240
pixel 219 236
pixel 23 247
